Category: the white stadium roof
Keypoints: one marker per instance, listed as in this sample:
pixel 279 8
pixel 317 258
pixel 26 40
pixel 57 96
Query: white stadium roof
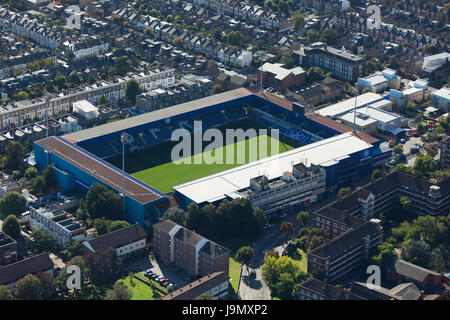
pixel 326 152
pixel 349 104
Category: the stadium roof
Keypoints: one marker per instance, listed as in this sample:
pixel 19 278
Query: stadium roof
pixel 325 152
pixel 347 105
pixel 101 170
pixel 161 114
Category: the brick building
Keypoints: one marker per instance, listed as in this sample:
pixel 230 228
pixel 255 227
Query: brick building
pixel 313 289
pixel 277 76
pixel 345 252
pixel 8 249
pixel 189 251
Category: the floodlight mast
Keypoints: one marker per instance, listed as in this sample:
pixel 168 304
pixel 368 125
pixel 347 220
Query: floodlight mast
pixel 124 137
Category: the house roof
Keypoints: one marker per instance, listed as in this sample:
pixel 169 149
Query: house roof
pixel 329 291
pixel 17 270
pixel 412 271
pixel 117 238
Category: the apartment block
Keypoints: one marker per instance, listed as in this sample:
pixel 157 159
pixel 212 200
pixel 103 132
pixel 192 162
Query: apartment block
pixel 59 223
pixel 314 289
pixel 347 251
pixel 187 250
pixel 445 153
pixel 293 189
pixel 343 65
pixel 8 249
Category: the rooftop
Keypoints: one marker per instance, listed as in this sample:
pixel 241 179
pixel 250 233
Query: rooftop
pixel 349 104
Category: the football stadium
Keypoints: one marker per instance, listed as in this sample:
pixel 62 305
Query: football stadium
pixel 151 183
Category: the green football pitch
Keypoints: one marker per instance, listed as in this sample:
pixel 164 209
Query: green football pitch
pixel 154 167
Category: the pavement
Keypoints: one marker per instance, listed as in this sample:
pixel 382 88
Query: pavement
pixel 145 263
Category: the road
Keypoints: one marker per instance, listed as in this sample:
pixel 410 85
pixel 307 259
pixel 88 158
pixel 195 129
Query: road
pixel 253 287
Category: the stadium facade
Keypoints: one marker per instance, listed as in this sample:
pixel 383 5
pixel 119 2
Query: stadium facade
pixel 79 158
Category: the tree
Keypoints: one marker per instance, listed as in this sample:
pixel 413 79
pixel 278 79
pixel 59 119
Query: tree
pixel 118 292
pixel 12 203
pixel 329 36
pixel 284 289
pixel 5 294
pixel 74 78
pixel 132 89
pixel 314 74
pixel 417 252
pixel 287 59
pixel 343 192
pixel 176 215
pixel 63 277
pixel 235 38
pixel 49 177
pixel 73 249
pixel 11 226
pixel 299 21
pixel 117 225
pixel 29 288
pixel 104 266
pixel 102 225
pixel 377 173
pixel 397 149
pixel 178 42
pixel 438 264
pixel 48 285
pixel 102 202
pixel 424 164
pixel 31 173
pixel 122 65
pixel 244 255
pixel 386 255
pixel 313 36
pixel 302 218
pixel 15 155
pixel 273 269
pixel 218 88
pixel 102 101
pixel 287 228
pixel 194 219
pixel 41 241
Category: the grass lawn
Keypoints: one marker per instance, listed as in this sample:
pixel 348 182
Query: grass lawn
pixel 165 176
pixel 302 260
pixel 140 290
pixel 154 166
pixel 235 271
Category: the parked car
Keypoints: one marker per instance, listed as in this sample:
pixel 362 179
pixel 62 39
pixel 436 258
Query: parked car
pixel 165 284
pixel 157 279
pixel 161 281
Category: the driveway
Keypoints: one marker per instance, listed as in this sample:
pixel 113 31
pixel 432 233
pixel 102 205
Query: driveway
pixel 143 264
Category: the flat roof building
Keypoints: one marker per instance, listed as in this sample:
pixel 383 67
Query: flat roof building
pixel 347 105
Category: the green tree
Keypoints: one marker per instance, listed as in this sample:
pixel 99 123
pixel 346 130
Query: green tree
pixel 31 173
pixel 194 218
pixel 132 89
pixel 424 164
pixel 103 266
pixel 11 226
pixel 41 241
pixel 74 78
pixel 287 228
pixel 302 218
pixel 48 285
pixel 102 101
pixel 118 292
pixel 28 288
pixel 5 294
pixel 49 177
pixel 273 269
pixel 343 192
pixel 377 173
pixel 117 225
pixel 417 252
pixel 15 155
pixel 314 74
pixel 329 36
pixel 299 21
pixel 122 65
pixel 178 216
pixel 244 255
pixel 287 59
pixel 102 225
pixel 102 202
pixel 313 36
pixel 12 203
pixel 386 255
pixel 73 249
pixel 397 149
